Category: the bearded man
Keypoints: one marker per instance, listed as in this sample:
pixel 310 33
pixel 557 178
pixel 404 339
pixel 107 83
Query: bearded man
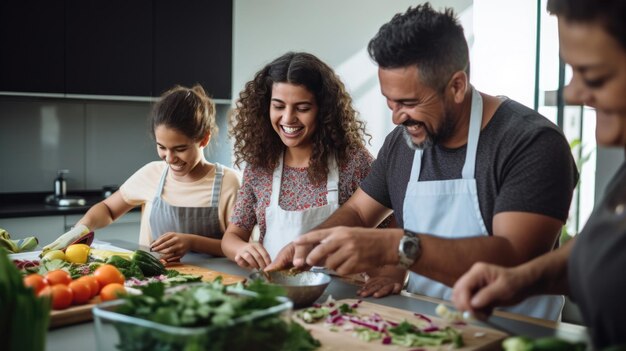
pixel 469 177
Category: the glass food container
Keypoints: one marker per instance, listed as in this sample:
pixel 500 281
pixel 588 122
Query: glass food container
pixel 262 329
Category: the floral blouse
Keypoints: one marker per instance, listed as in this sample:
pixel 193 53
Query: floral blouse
pixel 297 193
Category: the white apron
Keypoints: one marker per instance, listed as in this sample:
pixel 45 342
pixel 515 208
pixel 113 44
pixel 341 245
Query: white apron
pixel 450 209
pixel 281 226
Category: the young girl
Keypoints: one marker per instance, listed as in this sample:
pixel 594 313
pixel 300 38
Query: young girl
pixel 186 199
pixel 304 149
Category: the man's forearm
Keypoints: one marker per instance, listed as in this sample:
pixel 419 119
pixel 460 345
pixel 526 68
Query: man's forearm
pixel 344 216
pixel 446 260
pixel 549 271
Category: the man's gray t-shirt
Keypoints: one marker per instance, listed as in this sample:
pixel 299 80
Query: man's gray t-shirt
pixel 524 164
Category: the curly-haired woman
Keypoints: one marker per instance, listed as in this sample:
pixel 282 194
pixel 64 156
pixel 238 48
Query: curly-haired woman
pixel 304 149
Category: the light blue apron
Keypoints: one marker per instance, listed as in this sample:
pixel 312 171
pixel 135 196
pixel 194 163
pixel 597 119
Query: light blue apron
pixel 450 209
pixel 283 226
pixel 203 221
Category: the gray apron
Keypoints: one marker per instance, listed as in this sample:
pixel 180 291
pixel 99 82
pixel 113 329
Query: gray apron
pixel 202 221
pixel 450 209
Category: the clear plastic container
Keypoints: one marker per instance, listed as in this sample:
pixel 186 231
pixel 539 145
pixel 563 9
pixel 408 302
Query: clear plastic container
pixel 259 330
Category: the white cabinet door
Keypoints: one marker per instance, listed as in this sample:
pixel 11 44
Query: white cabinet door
pixel 124 228
pixel 45 228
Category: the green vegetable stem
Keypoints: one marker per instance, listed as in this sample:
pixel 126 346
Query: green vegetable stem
pixel 24 317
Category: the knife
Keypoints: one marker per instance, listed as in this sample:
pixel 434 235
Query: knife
pixel 468 316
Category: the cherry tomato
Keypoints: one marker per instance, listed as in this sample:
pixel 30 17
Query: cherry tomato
pixel 62 296
pixel 92 282
pixel 45 292
pixel 112 291
pixel 36 282
pixel 81 291
pixel 58 276
pixel 107 274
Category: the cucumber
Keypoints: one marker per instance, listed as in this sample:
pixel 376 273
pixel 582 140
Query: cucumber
pixel 556 344
pixel 149 265
pixel 522 343
pixel 118 261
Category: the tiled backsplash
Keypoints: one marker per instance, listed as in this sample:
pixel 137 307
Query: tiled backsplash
pixel 99 142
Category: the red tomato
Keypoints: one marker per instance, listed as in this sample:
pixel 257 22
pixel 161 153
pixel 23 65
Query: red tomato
pixel 36 282
pixel 81 291
pixel 58 276
pixel 107 274
pixel 92 282
pixel 112 291
pixel 62 296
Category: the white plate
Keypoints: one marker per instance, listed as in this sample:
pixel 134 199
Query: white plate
pixel 96 244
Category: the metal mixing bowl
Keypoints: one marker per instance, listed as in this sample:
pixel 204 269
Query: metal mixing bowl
pixel 302 288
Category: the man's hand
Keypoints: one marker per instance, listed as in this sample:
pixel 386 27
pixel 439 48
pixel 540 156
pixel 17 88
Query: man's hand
pixel 252 255
pixel 348 250
pixel 486 286
pixel 172 246
pixel 283 260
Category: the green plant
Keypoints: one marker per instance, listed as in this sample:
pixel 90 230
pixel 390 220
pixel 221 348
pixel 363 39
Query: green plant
pixel 570 229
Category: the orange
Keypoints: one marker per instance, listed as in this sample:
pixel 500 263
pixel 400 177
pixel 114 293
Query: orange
pixel 81 291
pixel 36 282
pixel 112 291
pixel 107 274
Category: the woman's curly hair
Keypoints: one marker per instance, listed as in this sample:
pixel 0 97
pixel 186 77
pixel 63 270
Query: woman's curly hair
pixel 338 127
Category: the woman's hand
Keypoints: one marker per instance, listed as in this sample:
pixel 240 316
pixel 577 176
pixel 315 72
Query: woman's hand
pixel 383 281
pixel 252 255
pixel 172 246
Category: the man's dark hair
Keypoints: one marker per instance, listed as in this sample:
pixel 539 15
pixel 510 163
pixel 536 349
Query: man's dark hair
pixel 431 40
pixel 610 13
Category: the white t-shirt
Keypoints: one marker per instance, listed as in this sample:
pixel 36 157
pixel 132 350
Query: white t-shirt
pixel 141 187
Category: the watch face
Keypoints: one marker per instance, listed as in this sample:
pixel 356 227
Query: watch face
pixel 409 248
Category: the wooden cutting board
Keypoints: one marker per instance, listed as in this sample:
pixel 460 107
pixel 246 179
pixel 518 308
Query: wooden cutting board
pixel 474 337
pixel 208 275
pixel 73 315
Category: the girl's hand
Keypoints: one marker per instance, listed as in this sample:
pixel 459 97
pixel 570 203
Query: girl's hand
pixel 252 255
pixel 172 246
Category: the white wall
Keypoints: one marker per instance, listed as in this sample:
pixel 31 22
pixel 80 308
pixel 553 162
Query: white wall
pixel 335 31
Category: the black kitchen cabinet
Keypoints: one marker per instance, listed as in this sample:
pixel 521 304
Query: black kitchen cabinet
pixel 109 47
pixel 193 44
pixel 32 43
pixel 137 48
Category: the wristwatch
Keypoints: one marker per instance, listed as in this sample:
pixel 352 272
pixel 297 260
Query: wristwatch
pixel 409 249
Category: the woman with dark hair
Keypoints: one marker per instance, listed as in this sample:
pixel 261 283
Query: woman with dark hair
pixel 186 199
pixel 590 267
pixel 303 145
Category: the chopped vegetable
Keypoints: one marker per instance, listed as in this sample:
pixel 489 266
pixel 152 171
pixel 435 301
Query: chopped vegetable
pixel 451 316
pixel 313 314
pixel 375 327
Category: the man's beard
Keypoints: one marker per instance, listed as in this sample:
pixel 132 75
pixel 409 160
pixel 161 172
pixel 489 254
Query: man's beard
pixel 445 130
